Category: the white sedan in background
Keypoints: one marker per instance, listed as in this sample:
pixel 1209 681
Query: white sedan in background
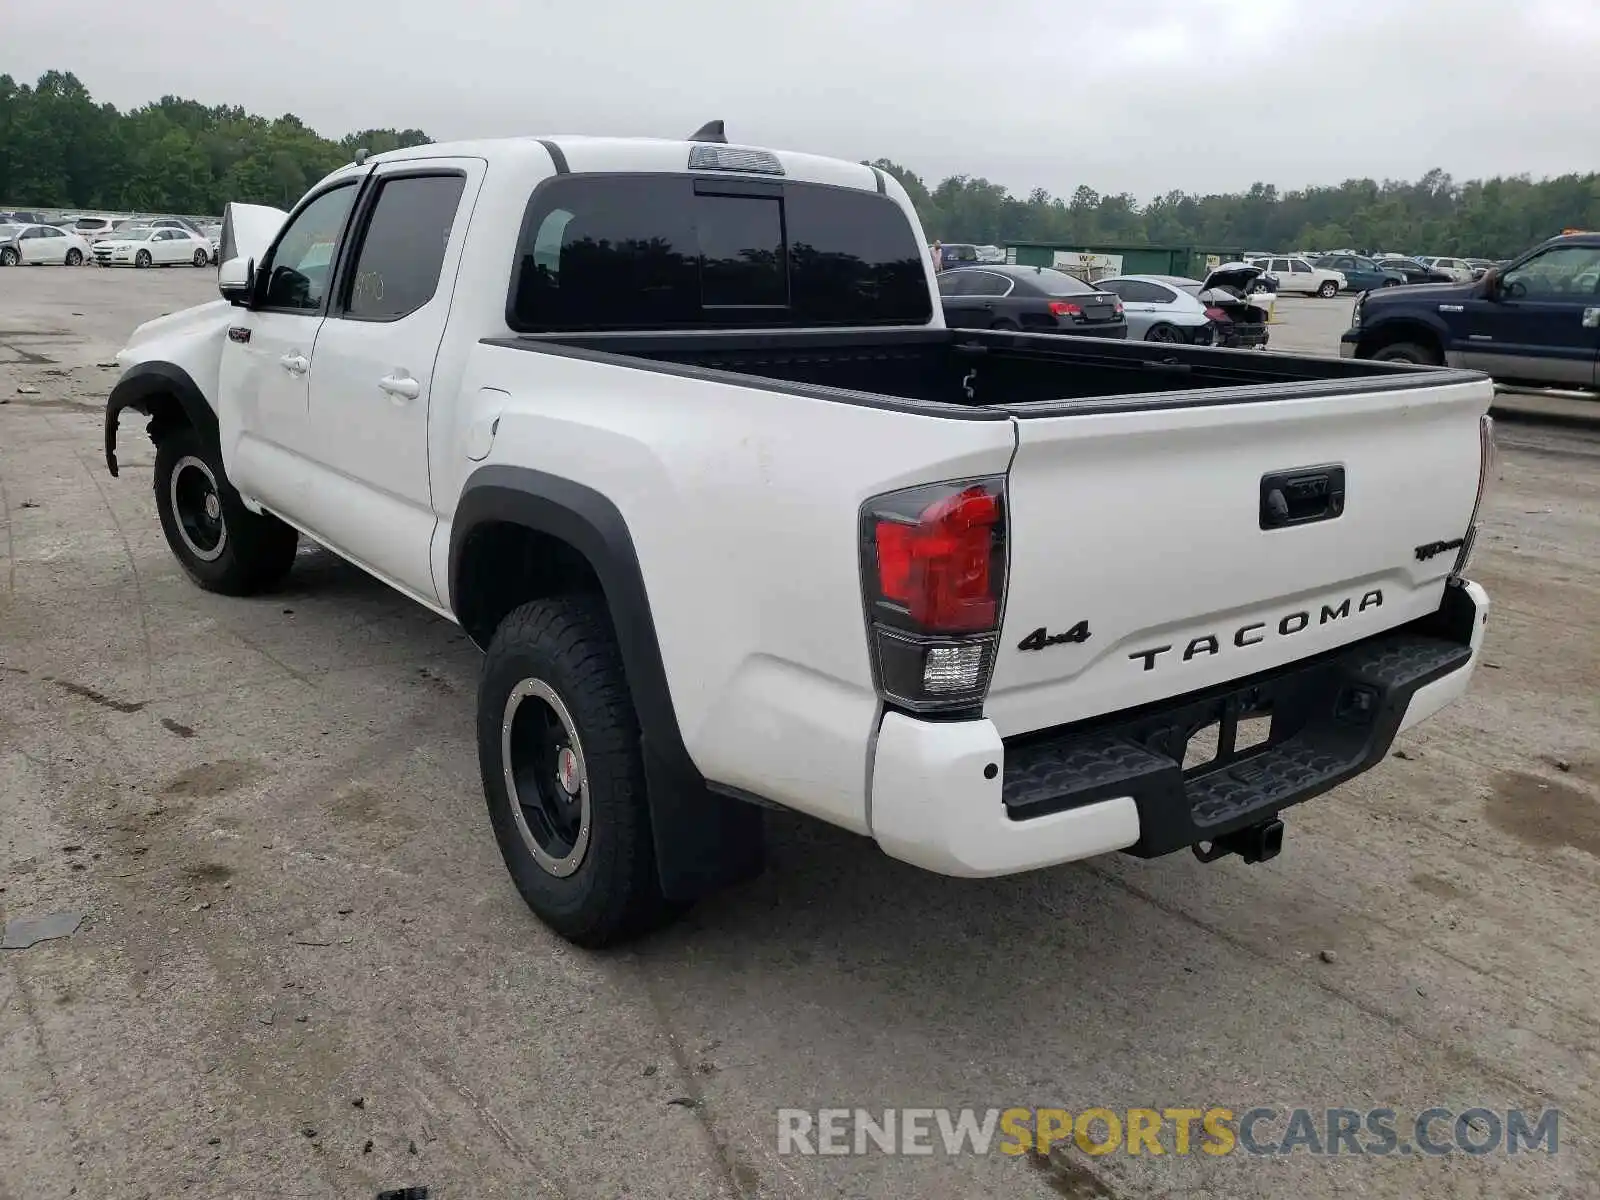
pixel 153 247
pixel 39 244
pixel 1297 275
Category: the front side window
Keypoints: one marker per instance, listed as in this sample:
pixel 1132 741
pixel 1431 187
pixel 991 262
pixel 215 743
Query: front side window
pixel 1300 266
pixel 298 267
pixel 1560 273
pixel 668 251
pixel 402 251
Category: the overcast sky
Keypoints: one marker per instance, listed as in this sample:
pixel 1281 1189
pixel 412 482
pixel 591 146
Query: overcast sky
pixel 1136 95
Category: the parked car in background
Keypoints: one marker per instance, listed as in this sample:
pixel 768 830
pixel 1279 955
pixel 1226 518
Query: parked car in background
pixel 1536 322
pixel 40 245
pixel 1298 276
pixel 957 254
pixel 1160 308
pixel 1361 274
pixel 213 234
pixel 1034 299
pixel 1415 272
pixel 991 254
pixel 1226 293
pixel 1480 266
pixel 1456 269
pixel 91 229
pixel 151 246
pixel 23 217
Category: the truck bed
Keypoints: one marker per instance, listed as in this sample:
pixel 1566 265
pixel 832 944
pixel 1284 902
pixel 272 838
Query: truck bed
pixel 1022 373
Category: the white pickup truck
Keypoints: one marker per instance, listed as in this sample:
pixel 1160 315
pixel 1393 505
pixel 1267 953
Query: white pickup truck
pixel 675 432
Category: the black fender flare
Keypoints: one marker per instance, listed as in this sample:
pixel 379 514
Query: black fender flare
pixel 141 382
pixel 703 837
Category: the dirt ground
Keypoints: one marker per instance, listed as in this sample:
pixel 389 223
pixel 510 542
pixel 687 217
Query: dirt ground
pixel 301 970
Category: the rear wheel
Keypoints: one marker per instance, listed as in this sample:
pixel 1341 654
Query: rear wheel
pixel 1408 352
pixel 221 544
pixel 202 258
pixel 563 772
pixel 1328 290
pixel 142 259
pixel 1006 326
pixel 74 257
pixel 1164 333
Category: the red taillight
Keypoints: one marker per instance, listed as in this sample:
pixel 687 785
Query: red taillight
pixel 938 569
pixel 933 573
pixel 1064 308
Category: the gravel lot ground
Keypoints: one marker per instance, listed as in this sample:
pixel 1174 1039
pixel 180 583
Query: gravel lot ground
pixel 269 813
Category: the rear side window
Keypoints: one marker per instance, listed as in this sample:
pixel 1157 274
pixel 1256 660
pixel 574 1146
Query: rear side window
pixel 402 251
pixel 671 251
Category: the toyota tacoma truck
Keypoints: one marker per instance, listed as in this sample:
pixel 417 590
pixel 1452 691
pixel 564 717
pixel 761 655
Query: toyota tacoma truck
pixel 675 432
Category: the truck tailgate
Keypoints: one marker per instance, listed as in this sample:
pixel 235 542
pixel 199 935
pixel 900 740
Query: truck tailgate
pixel 1158 548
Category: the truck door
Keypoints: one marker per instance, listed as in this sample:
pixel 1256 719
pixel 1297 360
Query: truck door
pixel 266 361
pixel 374 368
pixel 1541 324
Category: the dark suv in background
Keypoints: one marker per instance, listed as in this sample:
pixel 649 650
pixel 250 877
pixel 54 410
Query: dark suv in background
pixel 1537 321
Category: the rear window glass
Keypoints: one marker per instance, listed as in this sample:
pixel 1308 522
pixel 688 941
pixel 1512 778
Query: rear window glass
pixel 1055 283
pixel 660 252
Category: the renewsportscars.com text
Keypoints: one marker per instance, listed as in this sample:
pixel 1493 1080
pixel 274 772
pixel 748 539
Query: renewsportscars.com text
pixel 1179 1131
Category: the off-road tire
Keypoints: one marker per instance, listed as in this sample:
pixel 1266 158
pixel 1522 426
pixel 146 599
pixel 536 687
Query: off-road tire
pixel 255 550
pixel 567 644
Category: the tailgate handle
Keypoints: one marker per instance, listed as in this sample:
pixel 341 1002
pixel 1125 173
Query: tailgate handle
pixel 1301 496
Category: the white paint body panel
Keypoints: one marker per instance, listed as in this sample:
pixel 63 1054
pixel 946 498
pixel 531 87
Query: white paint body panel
pixel 743 504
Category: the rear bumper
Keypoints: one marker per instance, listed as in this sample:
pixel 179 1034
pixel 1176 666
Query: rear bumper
pixel 1119 330
pixel 1243 337
pixel 954 798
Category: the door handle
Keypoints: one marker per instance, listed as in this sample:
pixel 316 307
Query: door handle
pixel 401 386
pixel 295 364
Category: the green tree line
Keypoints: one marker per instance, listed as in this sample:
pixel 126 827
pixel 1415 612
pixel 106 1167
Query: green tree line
pixel 60 149
pixel 1492 218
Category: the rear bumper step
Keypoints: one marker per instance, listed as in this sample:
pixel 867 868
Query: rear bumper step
pixel 1331 719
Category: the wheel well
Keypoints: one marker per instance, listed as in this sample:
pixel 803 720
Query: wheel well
pixel 504 564
pixel 1391 332
pixel 166 414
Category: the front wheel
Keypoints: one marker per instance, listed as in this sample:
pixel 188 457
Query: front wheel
pixel 74 257
pixel 1408 352
pixel 221 544
pixel 142 259
pixel 202 258
pixel 8 257
pixel 1328 290
pixel 563 773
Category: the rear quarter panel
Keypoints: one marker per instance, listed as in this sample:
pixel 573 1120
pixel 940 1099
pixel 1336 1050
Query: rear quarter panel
pixel 743 506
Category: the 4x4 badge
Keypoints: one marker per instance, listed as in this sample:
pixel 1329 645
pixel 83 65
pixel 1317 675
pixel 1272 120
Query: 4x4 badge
pixel 1041 637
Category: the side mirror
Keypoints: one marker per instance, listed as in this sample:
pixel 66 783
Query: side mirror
pixel 236 280
pixel 1489 285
